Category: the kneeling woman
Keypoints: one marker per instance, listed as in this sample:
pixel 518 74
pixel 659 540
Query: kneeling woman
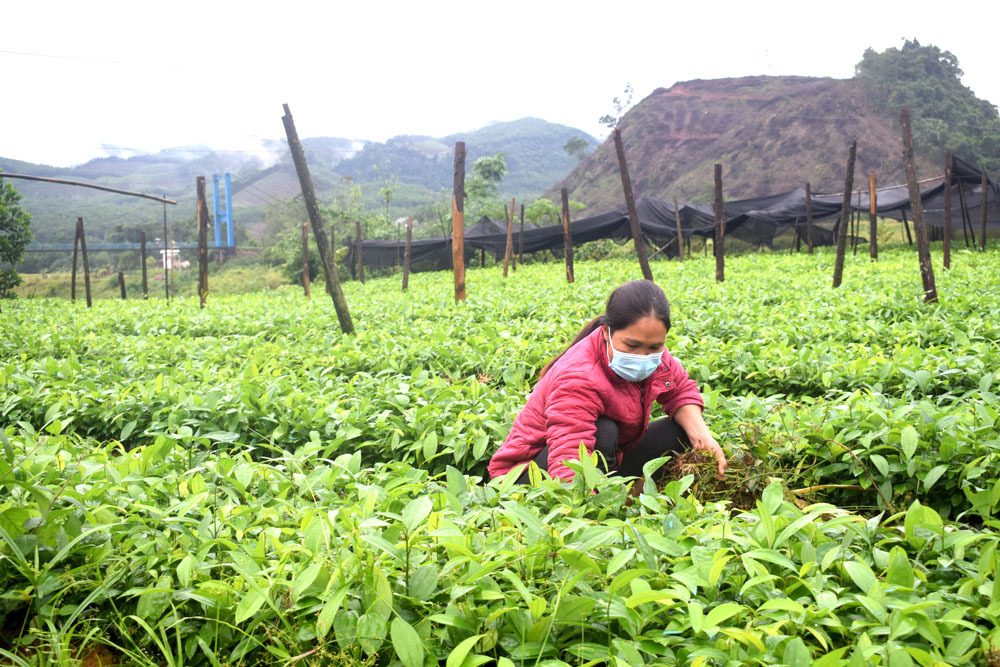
pixel 599 391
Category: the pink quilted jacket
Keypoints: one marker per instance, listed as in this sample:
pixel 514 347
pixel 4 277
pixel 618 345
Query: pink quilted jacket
pixel 565 404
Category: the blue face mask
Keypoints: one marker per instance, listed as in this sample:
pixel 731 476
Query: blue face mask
pixel 633 367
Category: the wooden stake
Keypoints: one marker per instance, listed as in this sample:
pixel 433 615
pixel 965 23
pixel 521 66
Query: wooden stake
pixel 906 226
pixel 513 255
pixel 202 219
pixel 982 213
pixel 872 223
pixel 457 223
pixel 680 235
pixel 359 256
pixel 946 242
pixel 809 220
pixel 76 245
pixel 838 267
pixel 406 253
pixel 142 254
pixel 509 251
pixel 305 258
pixel 86 263
pixel 166 250
pixel 316 220
pixel 568 237
pixel 857 224
pixel 916 205
pixel 964 210
pixel 121 283
pixel 520 239
pixel 633 215
pixel 720 228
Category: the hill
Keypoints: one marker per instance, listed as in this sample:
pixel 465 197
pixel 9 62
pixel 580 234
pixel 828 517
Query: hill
pixel 770 134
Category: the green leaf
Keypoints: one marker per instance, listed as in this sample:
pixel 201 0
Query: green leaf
pixel 718 614
pixel 457 655
pixel 415 512
pixel 900 572
pixel 772 497
pixel 329 612
pixel 619 560
pixel 880 463
pixel 251 603
pixel 796 654
pixel 406 641
pixel 861 575
pixel 305 579
pixel 372 628
pixel 423 582
pixel 933 475
pixel 908 440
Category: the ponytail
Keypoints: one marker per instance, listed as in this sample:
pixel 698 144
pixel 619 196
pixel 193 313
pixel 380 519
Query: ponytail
pixel 588 329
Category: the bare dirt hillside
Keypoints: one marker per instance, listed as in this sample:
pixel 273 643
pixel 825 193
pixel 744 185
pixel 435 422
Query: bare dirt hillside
pixel 771 134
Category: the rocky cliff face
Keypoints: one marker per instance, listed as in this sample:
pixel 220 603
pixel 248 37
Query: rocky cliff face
pixel 769 133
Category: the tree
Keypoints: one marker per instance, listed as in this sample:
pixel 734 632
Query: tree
pixel 15 236
pixel 946 114
pixel 483 185
pixel 577 147
pixel 611 120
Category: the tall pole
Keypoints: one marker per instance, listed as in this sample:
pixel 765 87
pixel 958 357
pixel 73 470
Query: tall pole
pixel 982 212
pixel 872 223
pixel 633 215
pixel 76 244
pixel 86 263
pixel 857 226
pixel 166 251
pixel 809 220
pixel 509 252
pixel 680 236
pixel 457 223
pixel 520 239
pixel 568 237
pixel 406 253
pixel 916 205
pixel 305 258
pixel 142 260
pixel 838 267
pixel 202 215
pixel 946 243
pixel 316 220
pixel 720 228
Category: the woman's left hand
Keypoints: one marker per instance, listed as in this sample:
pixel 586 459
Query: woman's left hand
pixel 689 418
pixel 704 442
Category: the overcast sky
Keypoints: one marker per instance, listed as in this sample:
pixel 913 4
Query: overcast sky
pixel 78 75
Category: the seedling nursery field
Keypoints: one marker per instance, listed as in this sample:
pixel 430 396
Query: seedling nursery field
pixel 245 485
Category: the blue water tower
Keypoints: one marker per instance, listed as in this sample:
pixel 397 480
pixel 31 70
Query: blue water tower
pixel 223 215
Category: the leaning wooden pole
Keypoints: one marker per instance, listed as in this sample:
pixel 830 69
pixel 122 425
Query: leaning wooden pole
pixel 457 222
pixel 202 218
pixel 406 253
pixel 166 251
pixel 520 239
pixel 142 260
pixel 857 226
pixel 720 228
pixel 509 251
pixel 916 205
pixel 809 220
pixel 316 220
pixel 946 242
pixel 86 262
pixel 633 215
pixel 305 258
pixel 121 283
pixel 568 237
pixel 872 222
pixel 76 245
pixel 680 235
pixel 838 267
pixel 982 211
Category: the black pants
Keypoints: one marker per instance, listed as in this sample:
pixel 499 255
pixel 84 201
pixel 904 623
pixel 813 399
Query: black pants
pixel 663 437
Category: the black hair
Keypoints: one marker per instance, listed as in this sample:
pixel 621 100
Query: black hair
pixel 628 304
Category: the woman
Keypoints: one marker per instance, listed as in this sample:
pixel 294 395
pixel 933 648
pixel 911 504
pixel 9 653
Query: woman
pixel 599 391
